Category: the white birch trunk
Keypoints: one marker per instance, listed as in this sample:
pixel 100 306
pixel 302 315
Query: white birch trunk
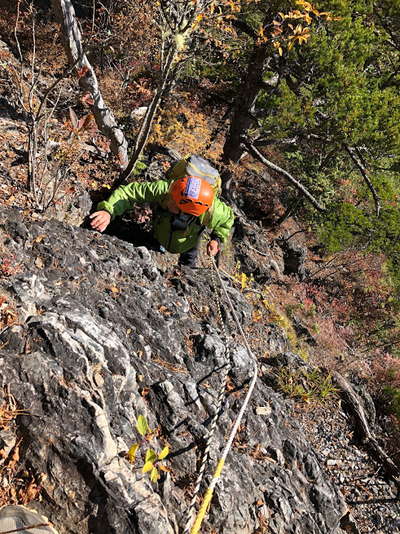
pixel 104 117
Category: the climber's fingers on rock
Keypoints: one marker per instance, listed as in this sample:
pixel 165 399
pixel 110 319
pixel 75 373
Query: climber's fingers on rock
pixel 212 247
pixel 100 220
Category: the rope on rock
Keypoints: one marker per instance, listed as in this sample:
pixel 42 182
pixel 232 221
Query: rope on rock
pixel 217 413
pixel 195 529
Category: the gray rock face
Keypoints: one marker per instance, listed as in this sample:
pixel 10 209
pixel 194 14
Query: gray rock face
pixel 104 335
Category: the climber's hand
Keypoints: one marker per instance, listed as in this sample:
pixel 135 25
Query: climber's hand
pixel 212 247
pixel 100 220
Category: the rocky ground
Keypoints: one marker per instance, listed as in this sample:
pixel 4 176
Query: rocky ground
pixel 371 497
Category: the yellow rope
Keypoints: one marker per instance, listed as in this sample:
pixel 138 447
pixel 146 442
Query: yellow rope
pixel 217 474
pixel 207 498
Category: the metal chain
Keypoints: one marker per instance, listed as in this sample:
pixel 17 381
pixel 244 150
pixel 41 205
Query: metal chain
pixel 221 462
pixel 218 409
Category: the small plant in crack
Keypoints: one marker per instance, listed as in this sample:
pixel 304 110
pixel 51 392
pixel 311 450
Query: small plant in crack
pixel 152 459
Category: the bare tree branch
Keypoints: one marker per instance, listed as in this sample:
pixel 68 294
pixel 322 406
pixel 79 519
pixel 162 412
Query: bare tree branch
pixel 257 154
pixel 20 529
pixel 147 122
pixel 364 174
pixel 176 27
pixel 54 85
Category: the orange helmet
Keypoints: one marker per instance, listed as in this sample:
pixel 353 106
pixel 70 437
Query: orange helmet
pixel 192 194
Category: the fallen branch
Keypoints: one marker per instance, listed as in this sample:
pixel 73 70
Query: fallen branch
pixel 368 439
pixel 293 234
pixel 372 501
pixel 364 174
pixel 331 265
pixel 257 154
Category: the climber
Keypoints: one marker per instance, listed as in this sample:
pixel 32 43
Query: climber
pixel 184 208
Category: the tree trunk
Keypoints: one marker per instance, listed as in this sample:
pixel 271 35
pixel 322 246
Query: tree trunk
pixel 248 92
pixel 104 117
pixel 250 86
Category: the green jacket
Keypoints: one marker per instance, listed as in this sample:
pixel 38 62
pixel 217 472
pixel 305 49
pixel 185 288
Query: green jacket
pixel 219 218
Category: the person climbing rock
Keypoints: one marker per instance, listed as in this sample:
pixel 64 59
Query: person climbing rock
pixel 185 206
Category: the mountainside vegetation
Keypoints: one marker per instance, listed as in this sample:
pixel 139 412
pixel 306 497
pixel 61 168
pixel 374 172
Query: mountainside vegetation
pixel 296 103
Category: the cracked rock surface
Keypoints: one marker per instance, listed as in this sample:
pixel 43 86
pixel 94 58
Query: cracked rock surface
pixel 106 333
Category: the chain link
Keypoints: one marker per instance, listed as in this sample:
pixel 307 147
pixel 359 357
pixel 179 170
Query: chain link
pixel 218 406
pixel 206 501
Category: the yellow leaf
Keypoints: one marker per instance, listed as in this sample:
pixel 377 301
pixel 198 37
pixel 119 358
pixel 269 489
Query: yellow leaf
pixel 280 51
pixel 154 475
pixel 164 453
pixel 257 315
pixel 132 452
pixel 306 5
pixel 148 466
pixel 304 37
pixel 164 468
pixel 151 456
pixel 142 425
pixel 39 238
pixel 243 280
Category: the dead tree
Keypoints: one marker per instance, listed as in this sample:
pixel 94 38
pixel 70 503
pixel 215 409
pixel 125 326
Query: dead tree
pixel 46 174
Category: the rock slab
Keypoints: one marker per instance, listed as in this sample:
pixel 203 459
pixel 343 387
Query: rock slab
pixel 104 334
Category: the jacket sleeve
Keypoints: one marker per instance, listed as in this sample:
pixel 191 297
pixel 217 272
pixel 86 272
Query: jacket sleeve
pixel 123 198
pixel 221 220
